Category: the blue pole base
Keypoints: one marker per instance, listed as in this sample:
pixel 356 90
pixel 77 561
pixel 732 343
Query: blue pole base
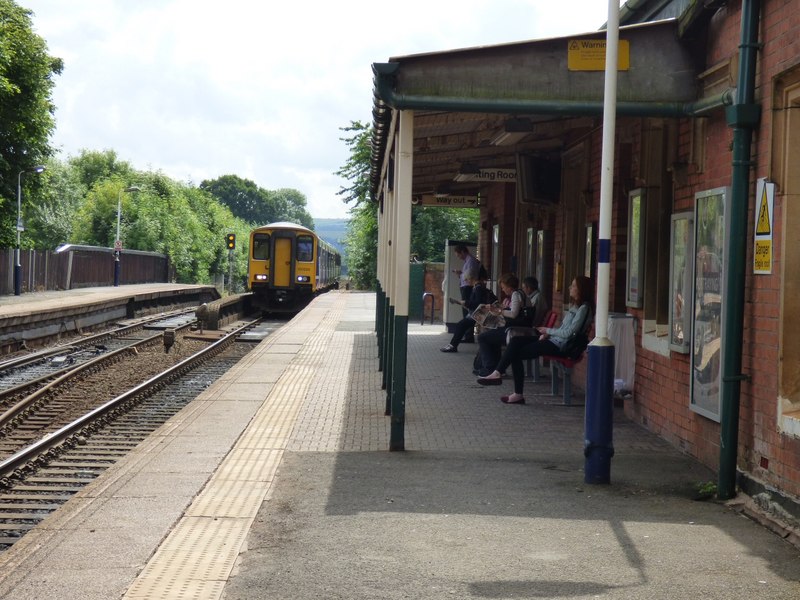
pixel 599 419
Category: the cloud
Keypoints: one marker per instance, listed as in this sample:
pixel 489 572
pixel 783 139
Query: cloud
pixel 199 89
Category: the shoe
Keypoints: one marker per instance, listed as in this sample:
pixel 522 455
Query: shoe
pixel 490 380
pixel 468 341
pixel 507 400
pixel 449 348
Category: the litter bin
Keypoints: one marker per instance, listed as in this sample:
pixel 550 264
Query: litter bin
pixel 621 334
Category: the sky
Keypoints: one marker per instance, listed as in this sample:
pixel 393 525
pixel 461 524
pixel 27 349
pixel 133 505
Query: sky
pixel 199 89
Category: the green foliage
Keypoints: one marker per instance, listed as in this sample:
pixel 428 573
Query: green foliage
pixel 26 109
pixel 91 167
pixel 256 205
pixel 432 225
pixel 292 206
pixel 357 168
pixel 50 216
pixel 361 246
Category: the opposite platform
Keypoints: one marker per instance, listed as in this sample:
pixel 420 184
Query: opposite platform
pixel 277 483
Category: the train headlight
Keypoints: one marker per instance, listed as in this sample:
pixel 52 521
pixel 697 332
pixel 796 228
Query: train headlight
pixel 262 278
pixel 303 278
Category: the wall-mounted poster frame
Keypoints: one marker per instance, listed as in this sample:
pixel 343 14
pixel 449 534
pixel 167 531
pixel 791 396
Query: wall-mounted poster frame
pixel 681 277
pixel 588 257
pixel 711 221
pixel 634 294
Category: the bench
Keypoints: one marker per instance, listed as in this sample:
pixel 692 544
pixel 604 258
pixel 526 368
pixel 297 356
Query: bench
pixel 563 366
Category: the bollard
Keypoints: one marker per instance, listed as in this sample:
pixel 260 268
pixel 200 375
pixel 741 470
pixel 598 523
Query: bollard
pixel 433 307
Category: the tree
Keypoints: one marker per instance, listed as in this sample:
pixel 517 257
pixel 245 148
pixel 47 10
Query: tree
pixel 92 166
pixel 292 206
pixel 26 108
pixel 357 168
pixel 243 197
pixel 432 225
pixel 361 241
pixel 51 217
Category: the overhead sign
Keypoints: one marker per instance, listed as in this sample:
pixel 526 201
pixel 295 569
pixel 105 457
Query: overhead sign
pixel 762 240
pixel 490 175
pixel 590 55
pixel 446 201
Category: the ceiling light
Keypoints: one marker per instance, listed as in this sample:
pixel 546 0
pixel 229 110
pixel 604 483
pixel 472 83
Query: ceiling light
pixel 513 131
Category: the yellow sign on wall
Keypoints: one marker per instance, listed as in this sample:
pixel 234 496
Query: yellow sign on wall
pixel 762 238
pixel 590 55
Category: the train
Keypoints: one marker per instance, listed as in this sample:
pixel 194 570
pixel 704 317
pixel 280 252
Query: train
pixel 288 265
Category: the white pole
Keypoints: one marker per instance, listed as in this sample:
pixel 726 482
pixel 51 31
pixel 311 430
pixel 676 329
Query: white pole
pixel 607 170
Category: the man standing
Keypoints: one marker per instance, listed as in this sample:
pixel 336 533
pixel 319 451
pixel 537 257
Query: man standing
pixel 471 265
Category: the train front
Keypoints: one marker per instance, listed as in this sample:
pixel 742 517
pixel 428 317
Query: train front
pixel 282 266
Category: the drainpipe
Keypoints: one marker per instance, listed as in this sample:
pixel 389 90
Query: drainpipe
pixel 743 116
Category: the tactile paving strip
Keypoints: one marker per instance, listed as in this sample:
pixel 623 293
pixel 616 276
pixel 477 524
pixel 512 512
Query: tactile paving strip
pixel 198 555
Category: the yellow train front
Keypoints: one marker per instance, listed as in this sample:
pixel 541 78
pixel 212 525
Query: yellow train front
pixel 288 264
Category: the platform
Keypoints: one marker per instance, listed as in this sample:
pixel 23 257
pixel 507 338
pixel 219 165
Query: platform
pixel 277 483
pixel 34 315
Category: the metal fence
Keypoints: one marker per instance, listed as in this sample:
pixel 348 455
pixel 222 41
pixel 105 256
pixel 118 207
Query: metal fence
pixel 73 267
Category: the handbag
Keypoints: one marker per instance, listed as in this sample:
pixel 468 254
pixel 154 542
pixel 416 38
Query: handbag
pixel 576 344
pixel 525 316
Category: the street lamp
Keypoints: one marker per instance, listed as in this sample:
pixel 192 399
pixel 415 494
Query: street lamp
pixel 118 242
pixel 20 228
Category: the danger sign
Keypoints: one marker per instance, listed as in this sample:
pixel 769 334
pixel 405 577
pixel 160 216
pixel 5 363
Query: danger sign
pixel 762 240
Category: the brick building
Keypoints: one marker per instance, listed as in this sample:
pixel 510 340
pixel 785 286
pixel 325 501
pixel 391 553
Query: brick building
pixel 705 145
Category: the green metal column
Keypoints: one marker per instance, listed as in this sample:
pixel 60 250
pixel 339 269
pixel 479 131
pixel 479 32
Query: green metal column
pixel 743 117
pixel 397 440
pixel 379 296
pixel 388 372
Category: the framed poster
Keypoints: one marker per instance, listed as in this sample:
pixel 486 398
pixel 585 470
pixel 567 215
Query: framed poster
pixel 588 256
pixel 680 277
pixel 634 294
pixel 710 224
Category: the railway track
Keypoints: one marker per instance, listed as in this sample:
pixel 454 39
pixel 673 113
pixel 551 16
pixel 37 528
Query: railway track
pixel 41 474
pixel 22 375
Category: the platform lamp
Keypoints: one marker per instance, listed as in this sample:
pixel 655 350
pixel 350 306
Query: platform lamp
pixel 17 265
pixel 118 242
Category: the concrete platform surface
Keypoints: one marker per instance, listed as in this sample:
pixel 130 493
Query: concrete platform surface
pixel 277 483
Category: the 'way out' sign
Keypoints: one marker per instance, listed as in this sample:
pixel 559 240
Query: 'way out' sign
pixel 762 240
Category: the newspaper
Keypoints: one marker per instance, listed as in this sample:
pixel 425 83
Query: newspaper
pixel 484 316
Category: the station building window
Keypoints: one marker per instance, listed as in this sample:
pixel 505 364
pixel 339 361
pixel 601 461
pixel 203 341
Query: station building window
pixel 654 201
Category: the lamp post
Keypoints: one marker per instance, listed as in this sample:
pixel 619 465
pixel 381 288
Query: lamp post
pixel 118 242
pixel 17 264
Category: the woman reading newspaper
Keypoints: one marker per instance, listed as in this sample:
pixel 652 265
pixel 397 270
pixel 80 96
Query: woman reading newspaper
pixel 492 339
pixel 480 296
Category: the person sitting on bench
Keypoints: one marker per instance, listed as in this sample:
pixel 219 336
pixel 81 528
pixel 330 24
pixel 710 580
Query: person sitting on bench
pixel 550 342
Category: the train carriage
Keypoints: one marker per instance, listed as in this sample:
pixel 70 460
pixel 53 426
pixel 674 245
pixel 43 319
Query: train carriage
pixel 288 265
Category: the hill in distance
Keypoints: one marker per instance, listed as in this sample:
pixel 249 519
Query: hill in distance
pixel 332 231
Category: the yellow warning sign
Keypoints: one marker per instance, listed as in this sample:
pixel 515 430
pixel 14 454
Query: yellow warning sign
pixel 762 256
pixel 763 226
pixel 762 238
pixel 590 55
